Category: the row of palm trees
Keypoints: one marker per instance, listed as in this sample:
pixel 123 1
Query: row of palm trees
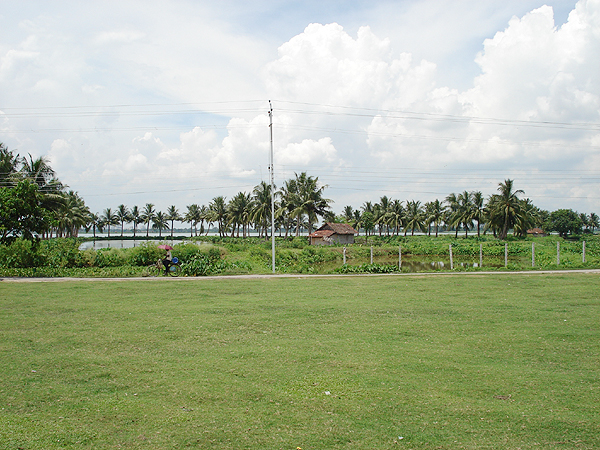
pixel 298 205
pixel 502 212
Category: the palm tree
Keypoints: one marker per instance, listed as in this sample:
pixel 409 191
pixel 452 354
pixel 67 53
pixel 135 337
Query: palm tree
pixel 289 201
pixel 159 221
pixel 310 199
pixel 172 215
pixel 452 215
pixel 594 221
pixel 415 217
pixel 239 212
pixel 192 216
pixel 136 218
pixel 95 221
pixel 9 163
pixel 109 218
pixel 464 212
pixel 261 210
pixel 505 208
pixel 123 215
pixel 147 216
pixel 218 211
pixel 396 216
pixel 478 209
pixel 436 213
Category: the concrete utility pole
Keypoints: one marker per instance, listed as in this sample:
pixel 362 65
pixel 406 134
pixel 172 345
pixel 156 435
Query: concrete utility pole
pixel 272 190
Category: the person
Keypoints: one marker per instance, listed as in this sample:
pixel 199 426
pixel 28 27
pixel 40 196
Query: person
pixel 167 261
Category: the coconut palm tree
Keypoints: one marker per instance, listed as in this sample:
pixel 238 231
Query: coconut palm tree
pixel 239 210
pixel 415 217
pixel 396 216
pixel 594 221
pixel 160 222
pixel 310 199
pixel 136 218
pixel 192 216
pixel 464 212
pixel 477 202
pixel 452 217
pixel 261 210
pixel 148 216
pixel 218 212
pixel 505 208
pixel 172 215
pixel 288 196
pixel 436 212
pixel 9 164
pixel 123 215
pixel 109 218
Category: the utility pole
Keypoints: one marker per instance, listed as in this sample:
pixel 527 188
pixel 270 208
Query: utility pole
pixel 272 190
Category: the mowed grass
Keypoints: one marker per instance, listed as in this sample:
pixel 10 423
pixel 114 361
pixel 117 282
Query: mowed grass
pixel 411 362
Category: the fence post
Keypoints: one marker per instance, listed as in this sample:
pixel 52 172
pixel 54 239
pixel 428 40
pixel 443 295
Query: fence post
pixel 583 251
pixel 371 255
pixel 344 255
pixel 533 254
pixel 558 253
pixel 451 262
pixel 400 258
pixel 505 255
pixel 480 255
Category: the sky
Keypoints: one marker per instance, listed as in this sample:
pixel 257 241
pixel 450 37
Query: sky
pixel 137 102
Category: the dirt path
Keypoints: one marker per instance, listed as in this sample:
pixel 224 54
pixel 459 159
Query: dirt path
pixel 249 277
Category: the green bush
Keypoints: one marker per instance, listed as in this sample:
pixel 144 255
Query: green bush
pixel 145 254
pixel 20 253
pixel 110 257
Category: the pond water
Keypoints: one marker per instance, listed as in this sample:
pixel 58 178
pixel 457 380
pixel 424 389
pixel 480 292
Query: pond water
pixel 120 243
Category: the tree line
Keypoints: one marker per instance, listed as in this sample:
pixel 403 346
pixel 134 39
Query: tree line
pixel 35 202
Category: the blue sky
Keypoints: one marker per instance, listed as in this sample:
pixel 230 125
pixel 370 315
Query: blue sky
pixel 140 101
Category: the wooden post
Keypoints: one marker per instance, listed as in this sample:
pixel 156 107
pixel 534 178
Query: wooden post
pixel 583 253
pixel 344 255
pixel 533 254
pixel 505 255
pixel 451 262
pixel 480 255
pixel 558 253
pixel 371 254
pixel 400 258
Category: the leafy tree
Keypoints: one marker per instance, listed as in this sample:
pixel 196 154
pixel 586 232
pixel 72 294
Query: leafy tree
pixel 367 221
pixel 21 212
pixel 565 222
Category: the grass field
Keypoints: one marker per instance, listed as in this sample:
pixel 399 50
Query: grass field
pixel 408 362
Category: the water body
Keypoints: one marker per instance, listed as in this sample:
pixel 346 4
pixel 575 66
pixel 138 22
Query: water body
pixel 122 243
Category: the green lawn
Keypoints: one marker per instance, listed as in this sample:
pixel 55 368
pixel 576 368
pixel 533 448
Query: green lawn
pixel 409 362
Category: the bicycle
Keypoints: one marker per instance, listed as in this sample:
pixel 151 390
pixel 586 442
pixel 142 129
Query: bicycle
pixel 158 268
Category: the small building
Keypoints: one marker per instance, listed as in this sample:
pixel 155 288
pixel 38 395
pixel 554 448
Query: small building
pixel 333 233
pixel 536 232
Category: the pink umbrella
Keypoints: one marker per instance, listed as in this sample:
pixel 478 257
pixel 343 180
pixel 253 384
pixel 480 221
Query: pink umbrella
pixel 165 247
